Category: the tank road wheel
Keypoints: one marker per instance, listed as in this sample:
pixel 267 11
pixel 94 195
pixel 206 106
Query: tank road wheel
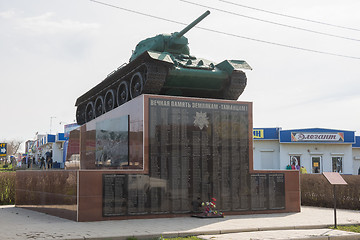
pixel 89 112
pixel 80 115
pixel 136 85
pixel 122 93
pixel 99 106
pixel 109 101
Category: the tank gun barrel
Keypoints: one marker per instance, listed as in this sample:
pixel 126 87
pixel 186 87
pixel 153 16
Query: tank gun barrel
pixel 191 25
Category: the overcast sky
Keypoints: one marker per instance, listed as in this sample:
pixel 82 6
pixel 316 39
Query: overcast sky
pixel 53 51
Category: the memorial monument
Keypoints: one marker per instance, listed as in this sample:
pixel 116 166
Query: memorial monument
pixel 162 155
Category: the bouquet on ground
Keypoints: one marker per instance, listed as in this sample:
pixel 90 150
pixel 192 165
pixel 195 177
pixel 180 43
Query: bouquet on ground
pixel 209 209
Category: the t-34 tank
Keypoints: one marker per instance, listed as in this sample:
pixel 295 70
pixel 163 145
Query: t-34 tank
pixel 163 65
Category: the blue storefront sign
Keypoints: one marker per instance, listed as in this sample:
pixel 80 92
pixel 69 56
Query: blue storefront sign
pixel 266 133
pixel 317 135
pixel 3 149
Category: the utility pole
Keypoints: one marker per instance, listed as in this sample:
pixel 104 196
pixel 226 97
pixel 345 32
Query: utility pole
pixel 51 118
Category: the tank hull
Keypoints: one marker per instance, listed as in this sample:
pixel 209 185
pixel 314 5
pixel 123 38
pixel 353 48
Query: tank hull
pixel 196 78
pixel 160 73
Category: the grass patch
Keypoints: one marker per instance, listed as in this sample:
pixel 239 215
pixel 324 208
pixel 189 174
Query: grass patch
pixel 182 238
pixel 7 188
pixel 6 167
pixel 352 228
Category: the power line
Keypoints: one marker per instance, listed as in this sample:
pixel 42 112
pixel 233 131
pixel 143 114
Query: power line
pixel 289 16
pixel 224 33
pixel 266 21
pixel 139 13
pixel 279 44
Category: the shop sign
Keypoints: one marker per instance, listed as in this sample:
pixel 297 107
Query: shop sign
pixel 317 137
pixel 3 149
pixel 258 133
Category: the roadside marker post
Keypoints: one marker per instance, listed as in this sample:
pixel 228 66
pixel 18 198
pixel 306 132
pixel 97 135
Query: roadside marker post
pixel 334 178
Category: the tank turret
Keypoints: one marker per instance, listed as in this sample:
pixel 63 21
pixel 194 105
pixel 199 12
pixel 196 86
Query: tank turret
pixel 174 43
pixel 163 65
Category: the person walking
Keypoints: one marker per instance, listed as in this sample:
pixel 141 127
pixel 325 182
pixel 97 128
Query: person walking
pixel 42 162
pixel 29 161
pixel 49 159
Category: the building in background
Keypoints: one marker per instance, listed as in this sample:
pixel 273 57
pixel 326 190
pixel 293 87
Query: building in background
pixel 317 149
pixel 356 155
pixel 29 145
pixel 266 148
pixel 54 145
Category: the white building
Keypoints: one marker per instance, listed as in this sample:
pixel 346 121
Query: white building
pixel 317 149
pixel 356 155
pixel 52 144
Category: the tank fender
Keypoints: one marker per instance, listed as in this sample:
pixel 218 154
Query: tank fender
pixel 160 56
pixel 231 65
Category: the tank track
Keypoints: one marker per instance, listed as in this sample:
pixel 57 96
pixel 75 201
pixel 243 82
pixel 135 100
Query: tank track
pixel 236 87
pixel 155 78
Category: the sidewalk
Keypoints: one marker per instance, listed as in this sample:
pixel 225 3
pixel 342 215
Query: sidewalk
pixel 310 223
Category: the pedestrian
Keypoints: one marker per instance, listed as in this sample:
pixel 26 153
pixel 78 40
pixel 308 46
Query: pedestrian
pixel 49 159
pixel 303 170
pixel 42 162
pixel 293 166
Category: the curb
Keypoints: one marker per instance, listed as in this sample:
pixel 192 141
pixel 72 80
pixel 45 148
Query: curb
pixel 229 231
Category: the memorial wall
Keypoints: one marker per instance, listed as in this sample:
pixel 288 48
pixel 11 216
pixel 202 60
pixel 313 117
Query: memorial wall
pixel 163 156
pixel 197 150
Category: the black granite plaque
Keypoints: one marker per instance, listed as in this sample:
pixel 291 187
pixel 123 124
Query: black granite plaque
pixel 259 192
pixel 216 157
pixel 205 160
pixel 225 163
pixel 155 138
pixel 137 188
pixel 158 167
pixel 202 152
pixel 114 195
pixel 195 170
pixel 235 165
pixel 184 162
pixel 175 164
pixel 243 143
pixel 276 191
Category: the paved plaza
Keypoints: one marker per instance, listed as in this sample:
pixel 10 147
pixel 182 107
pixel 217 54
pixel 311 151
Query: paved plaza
pixel 310 223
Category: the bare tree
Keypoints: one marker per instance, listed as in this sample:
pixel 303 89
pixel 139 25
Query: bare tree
pixel 12 146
